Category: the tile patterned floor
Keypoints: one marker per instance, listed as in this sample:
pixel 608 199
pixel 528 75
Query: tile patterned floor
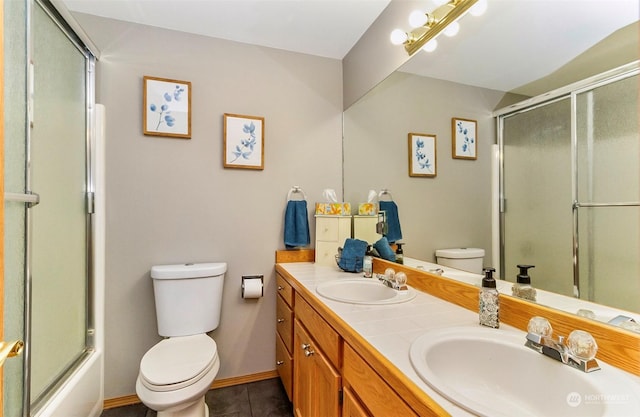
pixel 256 399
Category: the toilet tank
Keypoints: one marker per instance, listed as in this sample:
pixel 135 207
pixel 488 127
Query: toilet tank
pixel 465 259
pixel 188 297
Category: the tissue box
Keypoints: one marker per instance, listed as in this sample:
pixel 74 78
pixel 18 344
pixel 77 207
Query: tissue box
pixel 367 209
pixel 334 209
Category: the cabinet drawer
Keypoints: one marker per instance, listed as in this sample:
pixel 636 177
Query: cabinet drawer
pixel 326 228
pixel 284 364
pixel 333 228
pixel 326 252
pixel 379 398
pixel 284 289
pixel 284 322
pixel 325 336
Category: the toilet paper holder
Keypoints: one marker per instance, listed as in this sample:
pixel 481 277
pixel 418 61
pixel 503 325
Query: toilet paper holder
pixel 248 277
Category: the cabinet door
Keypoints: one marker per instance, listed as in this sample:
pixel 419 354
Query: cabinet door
pixel 351 407
pixel 316 383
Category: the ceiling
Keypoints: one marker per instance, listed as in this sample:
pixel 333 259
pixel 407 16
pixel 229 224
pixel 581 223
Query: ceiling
pixel 327 28
pixel 528 39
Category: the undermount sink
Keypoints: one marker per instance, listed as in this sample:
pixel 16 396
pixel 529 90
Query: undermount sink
pixel 490 372
pixel 363 291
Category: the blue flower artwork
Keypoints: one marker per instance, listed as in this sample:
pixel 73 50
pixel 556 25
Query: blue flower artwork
pixel 464 136
pixel 167 107
pixel 243 141
pixel 422 157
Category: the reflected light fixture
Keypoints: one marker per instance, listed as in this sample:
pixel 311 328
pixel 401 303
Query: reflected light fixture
pixel 427 26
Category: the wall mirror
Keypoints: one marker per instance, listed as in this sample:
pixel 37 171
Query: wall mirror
pixel 515 51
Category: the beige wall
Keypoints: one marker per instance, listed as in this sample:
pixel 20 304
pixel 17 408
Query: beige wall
pixel 454 208
pixel 374 57
pixel 171 201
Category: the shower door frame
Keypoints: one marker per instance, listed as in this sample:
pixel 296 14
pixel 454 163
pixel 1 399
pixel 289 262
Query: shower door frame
pixel 78 389
pixel 570 92
pixel 32 406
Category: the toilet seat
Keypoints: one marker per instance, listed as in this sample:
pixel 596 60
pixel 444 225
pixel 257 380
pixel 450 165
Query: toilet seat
pixel 178 362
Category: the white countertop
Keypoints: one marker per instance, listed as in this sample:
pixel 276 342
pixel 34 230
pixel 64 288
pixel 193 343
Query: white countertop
pixel 391 329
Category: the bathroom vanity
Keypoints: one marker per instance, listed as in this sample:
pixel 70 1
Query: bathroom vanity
pixel 337 358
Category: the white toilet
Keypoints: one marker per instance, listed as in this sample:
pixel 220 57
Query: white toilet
pixel 176 373
pixel 465 259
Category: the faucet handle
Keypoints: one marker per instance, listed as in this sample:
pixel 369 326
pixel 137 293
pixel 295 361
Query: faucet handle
pixel 540 326
pixel 582 345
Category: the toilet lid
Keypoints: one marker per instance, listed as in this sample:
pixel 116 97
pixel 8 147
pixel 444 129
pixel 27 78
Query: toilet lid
pixel 178 359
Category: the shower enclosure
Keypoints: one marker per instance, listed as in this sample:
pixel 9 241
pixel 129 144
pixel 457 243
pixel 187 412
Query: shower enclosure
pixel 50 215
pixel 570 189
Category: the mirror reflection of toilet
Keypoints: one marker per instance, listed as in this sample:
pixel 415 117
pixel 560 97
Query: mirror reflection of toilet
pixel 177 372
pixel 465 259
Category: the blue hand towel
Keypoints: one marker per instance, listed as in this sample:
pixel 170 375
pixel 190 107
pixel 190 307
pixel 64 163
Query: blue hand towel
pixel 394 233
pixel 385 251
pixel 352 255
pixel 296 224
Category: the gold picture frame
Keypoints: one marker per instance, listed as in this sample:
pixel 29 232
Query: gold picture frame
pixel 166 107
pixel 243 141
pixel 422 155
pixel 464 138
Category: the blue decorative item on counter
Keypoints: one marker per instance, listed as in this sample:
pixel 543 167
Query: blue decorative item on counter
pixel 383 248
pixel 352 255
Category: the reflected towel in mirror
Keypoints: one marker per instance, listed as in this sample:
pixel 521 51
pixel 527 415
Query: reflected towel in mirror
pixel 394 233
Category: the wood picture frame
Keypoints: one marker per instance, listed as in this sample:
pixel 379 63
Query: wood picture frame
pixel 243 141
pixel 464 138
pixel 166 107
pixel 422 155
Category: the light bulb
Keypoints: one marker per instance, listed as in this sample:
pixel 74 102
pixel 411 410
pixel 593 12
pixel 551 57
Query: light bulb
pixel 398 37
pixel 417 18
pixel 452 29
pixel 479 8
pixel 430 46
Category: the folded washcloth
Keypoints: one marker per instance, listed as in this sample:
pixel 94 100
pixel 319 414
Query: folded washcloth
pixel 394 233
pixel 296 224
pixel 385 251
pixel 352 255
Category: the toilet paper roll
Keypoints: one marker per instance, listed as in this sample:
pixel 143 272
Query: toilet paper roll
pixel 252 288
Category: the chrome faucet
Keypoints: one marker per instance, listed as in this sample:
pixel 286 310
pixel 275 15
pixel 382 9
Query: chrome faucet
pixel 386 281
pixel 392 280
pixel 578 352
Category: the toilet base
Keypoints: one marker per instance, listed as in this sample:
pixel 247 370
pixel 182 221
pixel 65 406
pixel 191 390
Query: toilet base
pixel 197 409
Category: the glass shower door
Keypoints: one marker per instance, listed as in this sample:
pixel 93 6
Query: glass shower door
pixel 58 173
pixel 608 194
pixel 536 220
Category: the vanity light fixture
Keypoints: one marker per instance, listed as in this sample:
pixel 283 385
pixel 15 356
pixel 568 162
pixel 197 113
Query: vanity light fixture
pixel 427 26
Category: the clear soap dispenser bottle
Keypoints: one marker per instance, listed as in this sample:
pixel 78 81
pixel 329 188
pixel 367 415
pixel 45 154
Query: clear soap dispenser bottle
pixel 489 301
pixel 522 288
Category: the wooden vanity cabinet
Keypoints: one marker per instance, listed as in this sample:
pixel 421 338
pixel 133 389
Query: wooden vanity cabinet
pixel 323 375
pixel 284 334
pixel 351 407
pixel 317 353
pixel 365 386
pixel 317 383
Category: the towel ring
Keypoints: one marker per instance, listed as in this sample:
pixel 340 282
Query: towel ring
pixel 383 192
pixel 296 189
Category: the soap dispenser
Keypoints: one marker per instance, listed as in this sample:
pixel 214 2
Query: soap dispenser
pixel 399 253
pixel 522 288
pixel 489 302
